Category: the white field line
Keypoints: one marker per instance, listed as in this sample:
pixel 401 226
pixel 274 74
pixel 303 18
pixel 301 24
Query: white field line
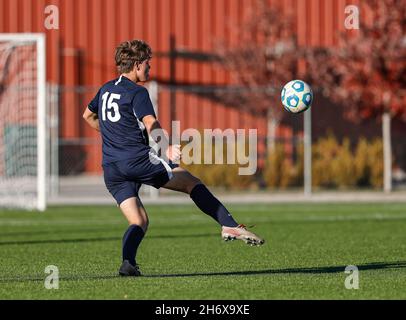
pixel 203 218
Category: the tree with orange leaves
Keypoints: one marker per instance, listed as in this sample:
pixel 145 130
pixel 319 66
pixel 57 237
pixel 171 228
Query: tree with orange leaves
pixel 265 58
pixel 366 73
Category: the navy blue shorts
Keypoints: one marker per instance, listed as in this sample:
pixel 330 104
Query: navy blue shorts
pixel 124 178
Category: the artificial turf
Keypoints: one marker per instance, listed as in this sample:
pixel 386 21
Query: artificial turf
pixel 182 256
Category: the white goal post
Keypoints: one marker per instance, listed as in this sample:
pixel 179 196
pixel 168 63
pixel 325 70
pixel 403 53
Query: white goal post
pixel 23 123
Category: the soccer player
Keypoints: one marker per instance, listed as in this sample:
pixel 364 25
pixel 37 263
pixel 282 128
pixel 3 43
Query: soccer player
pixel 122 111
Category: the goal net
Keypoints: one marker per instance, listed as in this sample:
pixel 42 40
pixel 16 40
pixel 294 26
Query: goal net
pixel 22 121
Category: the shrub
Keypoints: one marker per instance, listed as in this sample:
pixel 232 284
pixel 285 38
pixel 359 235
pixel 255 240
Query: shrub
pixel 335 165
pixel 279 171
pixel 324 152
pixel 221 175
pixel 361 161
pixel 375 163
pixel 343 166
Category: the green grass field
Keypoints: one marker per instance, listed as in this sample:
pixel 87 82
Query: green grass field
pixel 183 257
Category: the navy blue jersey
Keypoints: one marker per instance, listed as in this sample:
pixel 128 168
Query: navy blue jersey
pixel 120 105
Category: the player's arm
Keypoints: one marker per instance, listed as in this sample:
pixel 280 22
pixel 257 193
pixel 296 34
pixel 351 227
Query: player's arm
pixel 154 129
pixel 91 118
pixel 90 114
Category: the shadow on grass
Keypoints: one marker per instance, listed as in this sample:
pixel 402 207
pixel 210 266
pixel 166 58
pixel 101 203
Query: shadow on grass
pixel 311 270
pixel 72 230
pixel 305 270
pixel 64 231
pixel 115 238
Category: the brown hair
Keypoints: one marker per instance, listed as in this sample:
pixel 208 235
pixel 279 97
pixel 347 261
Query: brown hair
pixel 130 52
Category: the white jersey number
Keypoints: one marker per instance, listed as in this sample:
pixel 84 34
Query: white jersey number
pixel 110 108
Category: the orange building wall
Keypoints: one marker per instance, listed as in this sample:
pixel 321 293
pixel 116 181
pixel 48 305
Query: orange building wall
pixel 81 52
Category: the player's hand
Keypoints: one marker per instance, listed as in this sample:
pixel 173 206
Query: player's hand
pixel 174 153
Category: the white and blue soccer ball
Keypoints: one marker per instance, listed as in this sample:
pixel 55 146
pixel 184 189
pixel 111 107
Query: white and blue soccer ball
pixel 296 96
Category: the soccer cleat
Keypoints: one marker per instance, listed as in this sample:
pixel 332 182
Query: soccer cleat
pixel 128 270
pixel 241 233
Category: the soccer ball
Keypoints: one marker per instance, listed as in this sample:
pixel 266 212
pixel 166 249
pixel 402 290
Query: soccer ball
pixel 296 96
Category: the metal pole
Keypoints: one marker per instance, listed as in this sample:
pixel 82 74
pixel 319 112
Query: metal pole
pixel 153 93
pixel 308 152
pixel 387 152
pixel 172 79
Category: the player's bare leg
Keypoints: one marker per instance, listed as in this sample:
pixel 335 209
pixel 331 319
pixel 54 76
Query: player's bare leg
pixel 135 213
pixel 137 218
pixel 184 181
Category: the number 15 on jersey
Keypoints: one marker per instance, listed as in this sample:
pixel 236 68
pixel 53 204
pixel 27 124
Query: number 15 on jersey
pixel 110 108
